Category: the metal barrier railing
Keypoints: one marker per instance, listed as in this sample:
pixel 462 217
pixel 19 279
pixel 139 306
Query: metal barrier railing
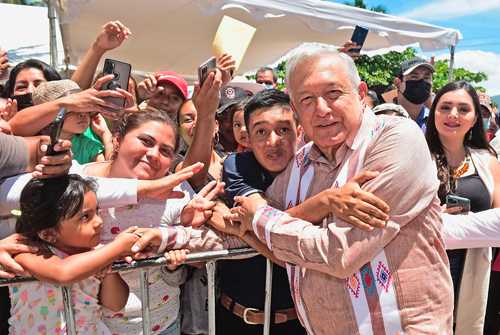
pixel 211 257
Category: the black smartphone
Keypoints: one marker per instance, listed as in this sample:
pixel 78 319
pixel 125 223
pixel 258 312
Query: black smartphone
pixel 121 72
pixel 23 101
pixel 453 200
pixel 359 36
pixel 205 68
pixel 55 131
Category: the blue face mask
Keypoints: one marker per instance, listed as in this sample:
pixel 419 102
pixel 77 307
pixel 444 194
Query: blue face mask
pixel 268 86
pixel 486 123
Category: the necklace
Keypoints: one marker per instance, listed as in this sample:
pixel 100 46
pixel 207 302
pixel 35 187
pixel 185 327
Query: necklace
pixel 462 169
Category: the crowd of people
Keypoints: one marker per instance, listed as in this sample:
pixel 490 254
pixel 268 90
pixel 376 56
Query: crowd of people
pixel 379 216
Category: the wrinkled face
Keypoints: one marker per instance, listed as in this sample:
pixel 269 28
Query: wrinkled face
pixel 454 115
pixel 328 106
pixel 168 100
pixel 76 123
pixel 273 137
pixel 147 152
pixel 266 78
pixel 27 80
pixel 239 128
pixel 82 231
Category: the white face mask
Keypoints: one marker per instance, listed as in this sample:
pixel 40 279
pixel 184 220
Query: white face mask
pixel 268 86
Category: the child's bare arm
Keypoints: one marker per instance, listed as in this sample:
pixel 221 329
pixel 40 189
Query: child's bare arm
pixel 114 292
pixel 53 269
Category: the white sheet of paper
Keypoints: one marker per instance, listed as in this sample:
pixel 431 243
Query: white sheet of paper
pixel 232 37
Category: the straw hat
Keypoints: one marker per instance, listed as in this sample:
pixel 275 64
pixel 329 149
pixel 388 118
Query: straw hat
pixel 52 90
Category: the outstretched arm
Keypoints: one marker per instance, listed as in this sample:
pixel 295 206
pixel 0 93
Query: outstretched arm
pixel 112 36
pixel 66 271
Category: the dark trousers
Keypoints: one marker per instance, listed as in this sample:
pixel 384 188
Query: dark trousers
pixel 4 310
pixel 229 324
pixel 492 320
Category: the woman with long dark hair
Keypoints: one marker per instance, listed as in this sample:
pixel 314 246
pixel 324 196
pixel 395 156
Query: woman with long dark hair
pixel 466 167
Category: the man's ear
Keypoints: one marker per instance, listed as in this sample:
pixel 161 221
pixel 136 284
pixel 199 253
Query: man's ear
pixel 362 90
pixel 48 235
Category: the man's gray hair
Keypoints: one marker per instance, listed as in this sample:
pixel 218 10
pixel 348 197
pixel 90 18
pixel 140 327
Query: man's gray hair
pixel 315 51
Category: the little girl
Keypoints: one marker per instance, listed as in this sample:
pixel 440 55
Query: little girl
pixel 239 130
pixel 59 216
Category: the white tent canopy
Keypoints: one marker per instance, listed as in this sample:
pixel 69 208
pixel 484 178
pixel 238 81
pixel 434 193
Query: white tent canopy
pixel 25 33
pixel 177 34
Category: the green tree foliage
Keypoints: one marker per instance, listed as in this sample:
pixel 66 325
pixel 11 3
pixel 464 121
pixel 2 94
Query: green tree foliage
pixel 361 4
pixel 380 70
pixel 440 77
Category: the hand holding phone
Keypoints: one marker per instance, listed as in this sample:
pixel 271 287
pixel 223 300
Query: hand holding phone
pixel 55 131
pixel 204 69
pixel 453 200
pixel 121 72
pixel 358 36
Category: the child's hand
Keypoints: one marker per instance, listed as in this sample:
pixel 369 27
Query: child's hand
pixel 175 258
pixel 126 239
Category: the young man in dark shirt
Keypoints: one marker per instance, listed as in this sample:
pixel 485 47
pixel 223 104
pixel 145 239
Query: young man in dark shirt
pixel 273 140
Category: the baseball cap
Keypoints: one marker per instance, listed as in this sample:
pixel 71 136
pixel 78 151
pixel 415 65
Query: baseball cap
pixel 173 78
pixel 485 101
pixel 229 96
pixel 408 66
pixel 52 90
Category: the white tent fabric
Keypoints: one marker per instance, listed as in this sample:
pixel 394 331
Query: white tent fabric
pixel 25 33
pixel 177 34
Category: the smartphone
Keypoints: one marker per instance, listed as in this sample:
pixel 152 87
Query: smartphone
pixel 205 68
pixel 121 72
pixel 359 36
pixel 453 200
pixel 55 131
pixel 23 101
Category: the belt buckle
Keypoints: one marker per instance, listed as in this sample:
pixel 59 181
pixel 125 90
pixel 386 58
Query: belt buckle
pixel 245 312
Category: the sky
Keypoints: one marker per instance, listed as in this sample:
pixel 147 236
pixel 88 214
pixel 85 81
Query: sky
pixel 477 20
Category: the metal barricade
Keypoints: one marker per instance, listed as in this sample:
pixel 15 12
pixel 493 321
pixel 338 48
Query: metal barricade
pixel 209 256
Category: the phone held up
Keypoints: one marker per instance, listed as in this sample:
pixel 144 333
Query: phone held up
pixel 121 72
pixel 358 36
pixel 453 200
pixel 205 68
pixel 55 131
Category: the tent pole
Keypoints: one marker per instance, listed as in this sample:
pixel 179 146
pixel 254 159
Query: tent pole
pixel 52 31
pixel 452 63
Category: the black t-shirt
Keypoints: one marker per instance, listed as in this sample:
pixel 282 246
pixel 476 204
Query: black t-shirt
pixel 244 280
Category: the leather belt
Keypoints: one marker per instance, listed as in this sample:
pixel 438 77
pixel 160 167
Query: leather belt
pixel 254 316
